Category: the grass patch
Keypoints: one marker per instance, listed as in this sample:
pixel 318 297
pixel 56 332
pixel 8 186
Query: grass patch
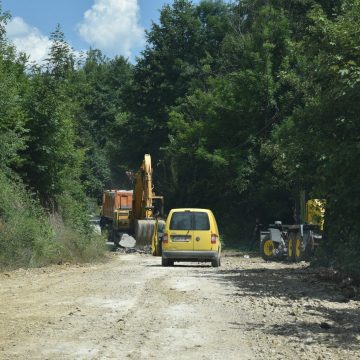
pixel 29 237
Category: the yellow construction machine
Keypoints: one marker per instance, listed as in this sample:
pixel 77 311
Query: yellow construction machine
pixel 134 212
pixel 157 238
pixel 147 207
pixel 139 219
pixel 295 242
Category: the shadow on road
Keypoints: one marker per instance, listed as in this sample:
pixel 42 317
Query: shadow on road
pixel 322 314
pixel 196 266
pixel 294 284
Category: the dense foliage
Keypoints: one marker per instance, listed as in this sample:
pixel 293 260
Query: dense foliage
pixel 241 106
pixel 43 204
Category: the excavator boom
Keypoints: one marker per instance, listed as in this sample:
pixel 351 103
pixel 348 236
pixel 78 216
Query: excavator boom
pixel 146 205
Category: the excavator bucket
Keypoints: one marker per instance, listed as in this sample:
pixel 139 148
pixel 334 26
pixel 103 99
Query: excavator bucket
pixel 144 230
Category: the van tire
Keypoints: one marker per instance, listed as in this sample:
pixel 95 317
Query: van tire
pixel 215 262
pixel 167 262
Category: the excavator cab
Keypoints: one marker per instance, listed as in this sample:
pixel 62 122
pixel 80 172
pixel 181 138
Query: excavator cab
pixel 158 206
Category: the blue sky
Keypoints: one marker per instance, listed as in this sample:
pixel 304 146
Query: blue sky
pixel 114 26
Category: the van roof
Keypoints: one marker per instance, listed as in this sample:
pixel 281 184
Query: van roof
pixel 190 209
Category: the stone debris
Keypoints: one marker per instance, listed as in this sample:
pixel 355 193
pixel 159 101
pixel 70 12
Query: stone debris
pixel 135 250
pixel 127 241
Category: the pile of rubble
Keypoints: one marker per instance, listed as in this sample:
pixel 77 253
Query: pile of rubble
pixel 139 250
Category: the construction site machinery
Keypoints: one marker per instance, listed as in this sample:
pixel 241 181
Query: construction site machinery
pixel 116 212
pixel 295 242
pixel 147 206
pixel 133 212
pixel 157 238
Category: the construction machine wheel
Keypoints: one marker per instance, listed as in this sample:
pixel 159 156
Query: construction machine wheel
pixel 291 247
pixel 115 237
pixel 267 247
pixel 299 248
pixel 309 247
pixel 144 230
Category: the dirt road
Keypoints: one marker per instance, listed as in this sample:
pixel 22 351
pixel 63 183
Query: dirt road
pixel 132 308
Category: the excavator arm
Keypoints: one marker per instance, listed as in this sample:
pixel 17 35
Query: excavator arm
pixel 142 201
pixel 143 214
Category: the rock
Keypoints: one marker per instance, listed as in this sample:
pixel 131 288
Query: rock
pixel 325 325
pixel 127 241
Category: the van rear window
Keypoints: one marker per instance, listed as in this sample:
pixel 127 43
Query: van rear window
pixel 180 221
pixel 189 221
pixel 201 221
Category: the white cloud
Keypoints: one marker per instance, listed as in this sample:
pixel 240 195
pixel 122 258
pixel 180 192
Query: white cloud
pixel 28 39
pixel 113 26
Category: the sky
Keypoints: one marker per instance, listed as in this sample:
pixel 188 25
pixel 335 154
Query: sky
pixel 116 27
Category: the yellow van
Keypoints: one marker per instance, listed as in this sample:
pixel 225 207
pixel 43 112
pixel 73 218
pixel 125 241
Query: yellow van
pixel 191 235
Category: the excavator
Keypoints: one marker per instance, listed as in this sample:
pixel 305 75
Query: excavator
pixel 145 211
pixel 147 207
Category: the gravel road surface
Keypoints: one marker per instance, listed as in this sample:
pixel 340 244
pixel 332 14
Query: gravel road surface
pixel 132 308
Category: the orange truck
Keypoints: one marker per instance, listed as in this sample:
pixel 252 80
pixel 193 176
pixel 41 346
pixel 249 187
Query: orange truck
pixel 116 208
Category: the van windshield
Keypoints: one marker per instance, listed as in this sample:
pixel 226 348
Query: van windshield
pixel 187 220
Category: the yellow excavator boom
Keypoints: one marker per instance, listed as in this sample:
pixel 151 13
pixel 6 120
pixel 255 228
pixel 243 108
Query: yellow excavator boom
pixel 144 203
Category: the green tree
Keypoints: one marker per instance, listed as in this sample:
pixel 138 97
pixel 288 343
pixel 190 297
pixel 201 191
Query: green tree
pixel 217 132
pixel 324 157
pixel 53 161
pixel 13 83
pixel 180 52
pixel 99 88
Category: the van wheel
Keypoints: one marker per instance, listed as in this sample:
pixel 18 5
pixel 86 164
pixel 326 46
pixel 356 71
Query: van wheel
pixel 215 262
pixel 167 262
